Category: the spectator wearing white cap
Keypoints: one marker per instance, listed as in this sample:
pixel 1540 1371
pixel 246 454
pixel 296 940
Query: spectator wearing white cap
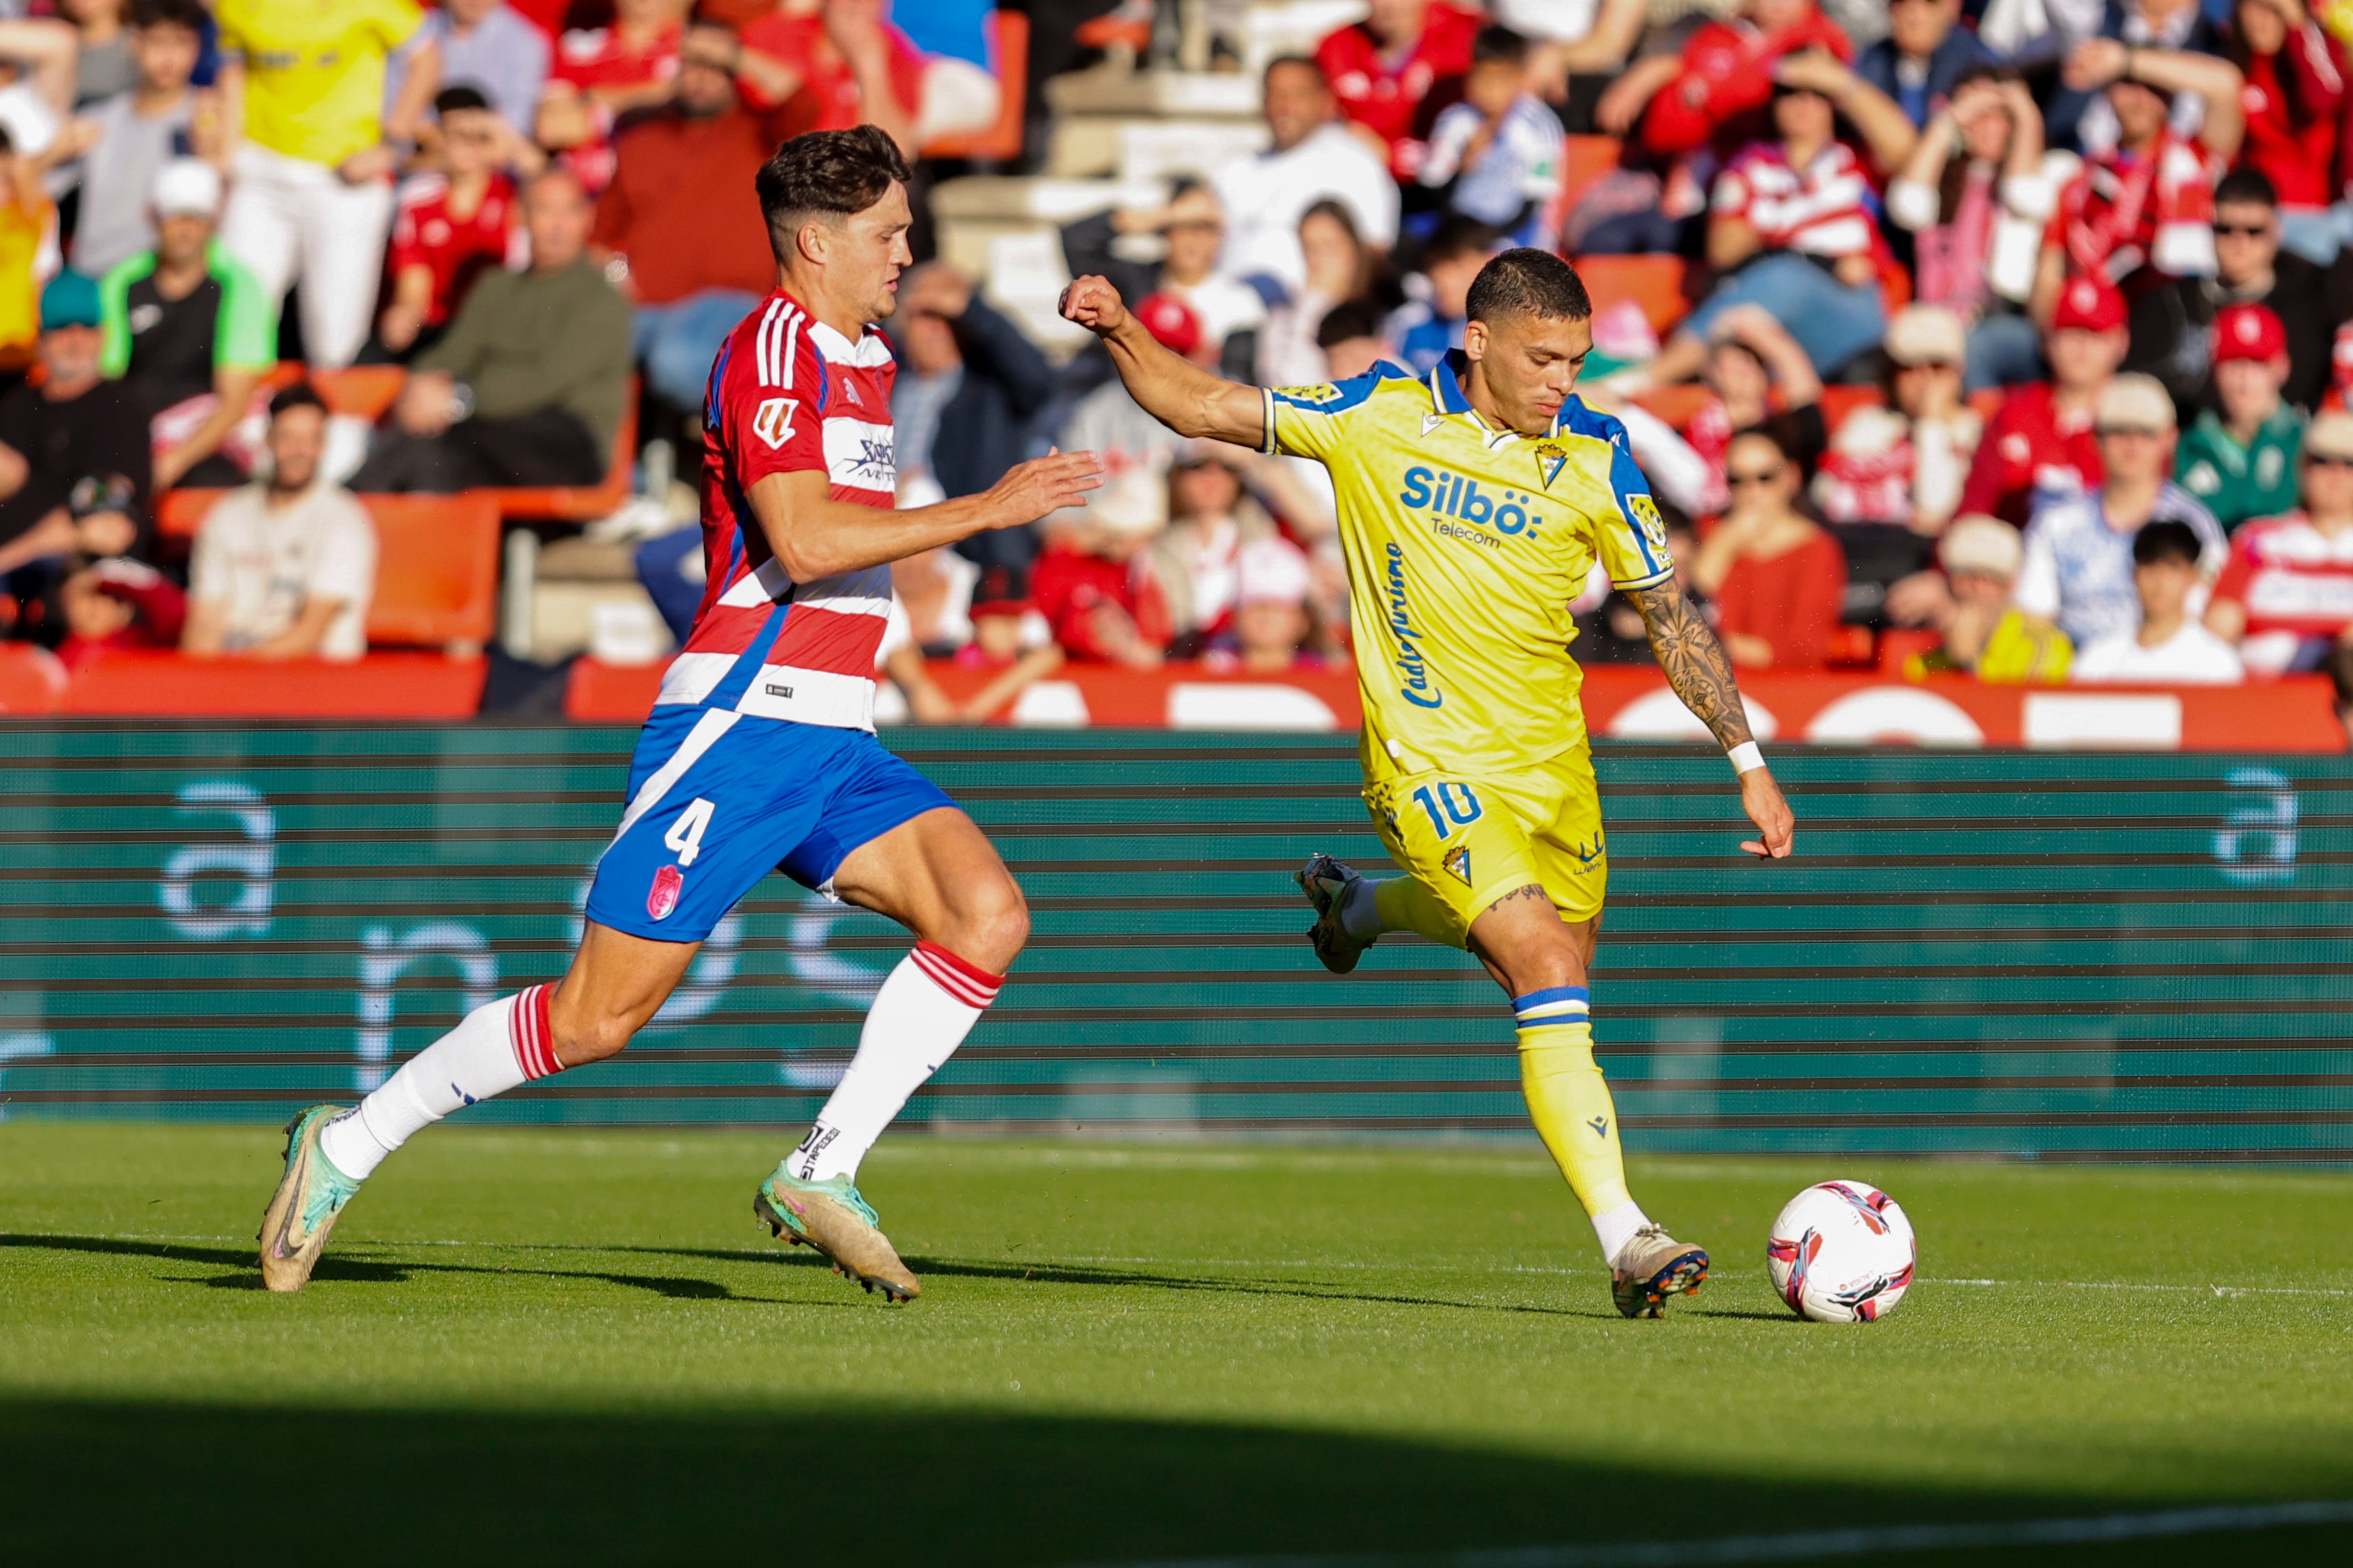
pixel 1271 622
pixel 1984 633
pixel 2170 647
pixel 191 330
pixel 137 133
pixel 1905 463
pixel 2078 566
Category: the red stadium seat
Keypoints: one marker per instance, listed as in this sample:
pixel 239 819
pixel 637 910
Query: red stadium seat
pixel 1656 283
pixel 1675 404
pixel 600 693
pixel 437 575
pixel 1838 402
pixel 381 686
pixel 359 391
pixel 1000 142
pixel 1584 160
pixel 1852 648
pixel 179 513
pixel 31 679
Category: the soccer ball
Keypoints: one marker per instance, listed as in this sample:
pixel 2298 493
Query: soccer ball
pixel 1842 1252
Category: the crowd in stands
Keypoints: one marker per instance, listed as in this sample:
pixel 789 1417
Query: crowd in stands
pixel 2012 336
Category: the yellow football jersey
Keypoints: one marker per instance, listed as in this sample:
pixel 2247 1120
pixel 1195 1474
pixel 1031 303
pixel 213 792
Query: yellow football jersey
pixel 1465 545
pixel 314 69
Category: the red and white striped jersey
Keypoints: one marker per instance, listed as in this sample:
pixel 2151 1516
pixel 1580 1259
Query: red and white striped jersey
pixel 1819 210
pixel 788 394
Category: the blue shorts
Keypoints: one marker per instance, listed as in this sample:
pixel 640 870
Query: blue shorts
pixel 717 799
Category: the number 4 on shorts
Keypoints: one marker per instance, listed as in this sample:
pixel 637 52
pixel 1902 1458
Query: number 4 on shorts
pixel 685 835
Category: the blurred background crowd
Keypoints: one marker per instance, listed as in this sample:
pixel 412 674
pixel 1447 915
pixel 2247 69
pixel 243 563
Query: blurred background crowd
pixel 1995 337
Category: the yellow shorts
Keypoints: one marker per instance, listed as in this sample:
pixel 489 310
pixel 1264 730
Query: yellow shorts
pixel 1470 839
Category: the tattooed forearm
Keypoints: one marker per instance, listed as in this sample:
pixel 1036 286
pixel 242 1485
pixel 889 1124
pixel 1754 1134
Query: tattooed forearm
pixel 1693 661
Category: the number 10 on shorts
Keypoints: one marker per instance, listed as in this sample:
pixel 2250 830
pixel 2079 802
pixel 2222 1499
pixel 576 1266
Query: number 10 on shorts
pixel 1448 803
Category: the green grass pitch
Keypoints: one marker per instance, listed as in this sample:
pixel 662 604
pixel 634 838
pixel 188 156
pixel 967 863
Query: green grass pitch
pixel 571 1346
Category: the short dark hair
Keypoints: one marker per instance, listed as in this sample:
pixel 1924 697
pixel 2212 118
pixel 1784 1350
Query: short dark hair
pixel 2249 187
pixel 1457 235
pixel 189 14
pixel 1528 282
pixel 302 395
pixel 1349 319
pixel 2166 540
pixel 1303 62
pixel 463 95
pixel 1495 44
pixel 827 175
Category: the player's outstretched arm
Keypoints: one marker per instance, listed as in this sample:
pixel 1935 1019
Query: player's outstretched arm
pixel 1694 665
pixel 815 536
pixel 1173 390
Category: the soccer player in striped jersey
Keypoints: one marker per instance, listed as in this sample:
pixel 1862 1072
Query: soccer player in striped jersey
pixel 761 753
pixel 1474 501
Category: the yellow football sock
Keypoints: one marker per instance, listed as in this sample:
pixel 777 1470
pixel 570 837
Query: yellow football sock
pixel 1406 905
pixel 1570 1104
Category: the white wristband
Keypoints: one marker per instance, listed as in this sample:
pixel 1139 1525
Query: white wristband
pixel 1745 757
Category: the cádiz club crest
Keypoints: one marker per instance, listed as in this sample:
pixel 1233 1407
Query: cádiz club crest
pixel 1550 460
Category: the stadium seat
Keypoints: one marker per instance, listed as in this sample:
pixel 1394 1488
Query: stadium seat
pixel 381 686
pixel 1852 648
pixel 179 513
pixel 600 693
pixel 31 679
pixel 437 576
pixel 1839 401
pixel 581 503
pixel 1653 282
pixel 1001 142
pixel 1675 404
pixel 1584 160
pixel 358 392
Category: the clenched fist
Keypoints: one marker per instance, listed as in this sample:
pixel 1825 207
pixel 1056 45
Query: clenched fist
pixel 1033 489
pixel 1095 305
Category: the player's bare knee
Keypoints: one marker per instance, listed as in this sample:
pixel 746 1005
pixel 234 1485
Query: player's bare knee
pixel 588 1036
pixel 989 923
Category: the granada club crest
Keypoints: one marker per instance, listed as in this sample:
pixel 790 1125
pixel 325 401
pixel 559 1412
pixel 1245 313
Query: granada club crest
pixel 1550 460
pixel 662 897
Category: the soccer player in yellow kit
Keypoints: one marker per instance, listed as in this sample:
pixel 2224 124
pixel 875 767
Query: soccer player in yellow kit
pixel 1473 503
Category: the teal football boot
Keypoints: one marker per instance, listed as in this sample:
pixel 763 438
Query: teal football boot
pixel 831 1217
pixel 310 1196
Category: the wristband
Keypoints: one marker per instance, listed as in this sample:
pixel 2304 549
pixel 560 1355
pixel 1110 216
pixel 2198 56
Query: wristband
pixel 1745 758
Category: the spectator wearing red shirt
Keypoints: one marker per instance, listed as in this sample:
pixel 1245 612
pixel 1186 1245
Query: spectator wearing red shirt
pixel 602 73
pixel 2294 100
pixel 827 65
pixel 2286 596
pixel 678 226
pixel 1095 587
pixel 1393 72
pixel 1778 577
pixel 1717 88
pixel 2143 212
pixel 451 226
pixel 2040 443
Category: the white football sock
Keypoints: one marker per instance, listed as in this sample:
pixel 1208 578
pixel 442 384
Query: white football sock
pixel 1616 1227
pixel 495 1047
pixel 1361 915
pixel 925 1008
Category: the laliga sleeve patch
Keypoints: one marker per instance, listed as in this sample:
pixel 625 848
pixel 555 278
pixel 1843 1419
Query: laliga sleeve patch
pixel 1645 515
pixel 774 422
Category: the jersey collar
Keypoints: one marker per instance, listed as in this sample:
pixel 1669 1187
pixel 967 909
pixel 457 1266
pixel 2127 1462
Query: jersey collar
pixel 1447 399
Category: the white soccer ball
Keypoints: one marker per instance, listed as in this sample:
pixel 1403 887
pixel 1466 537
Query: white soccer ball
pixel 1842 1252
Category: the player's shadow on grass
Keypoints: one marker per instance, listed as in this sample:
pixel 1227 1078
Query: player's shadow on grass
pixel 343 1267
pixel 1316 1291
pixel 182 1481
